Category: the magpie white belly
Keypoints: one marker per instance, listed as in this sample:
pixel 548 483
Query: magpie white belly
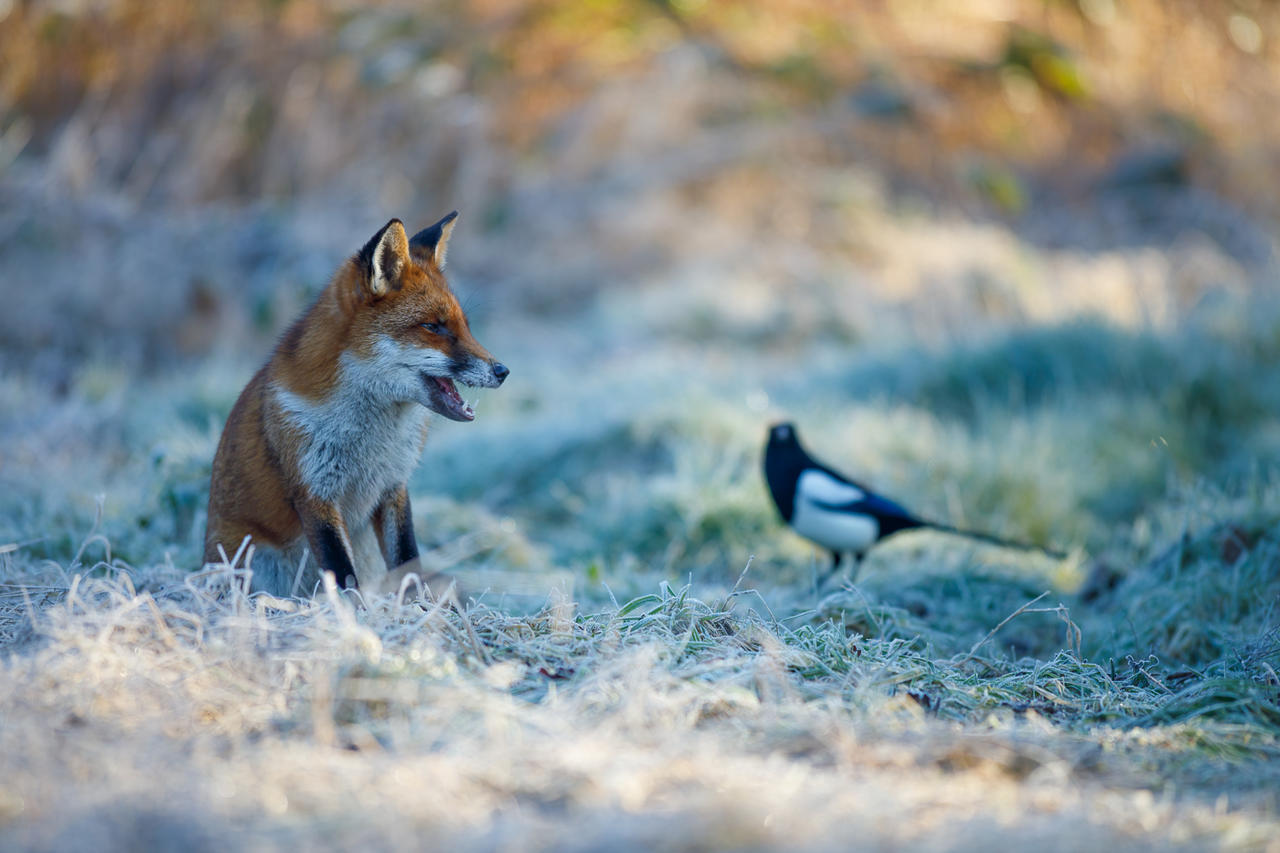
pixel 836 531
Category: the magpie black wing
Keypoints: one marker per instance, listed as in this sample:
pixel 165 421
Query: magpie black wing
pixel 837 476
pixel 868 504
pixel 822 486
pixel 892 516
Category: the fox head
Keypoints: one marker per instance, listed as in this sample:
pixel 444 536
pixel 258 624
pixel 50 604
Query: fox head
pixel 415 342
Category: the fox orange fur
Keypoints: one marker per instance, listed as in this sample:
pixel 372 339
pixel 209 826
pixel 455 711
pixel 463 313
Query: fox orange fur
pixel 315 458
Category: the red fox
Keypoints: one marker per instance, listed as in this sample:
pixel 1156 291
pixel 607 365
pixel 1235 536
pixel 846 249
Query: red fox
pixel 316 454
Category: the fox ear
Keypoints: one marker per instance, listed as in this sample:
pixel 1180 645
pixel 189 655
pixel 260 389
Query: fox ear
pixel 432 243
pixel 383 258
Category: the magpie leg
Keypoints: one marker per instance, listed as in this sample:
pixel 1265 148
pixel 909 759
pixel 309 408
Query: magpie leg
pixel 857 567
pixel 836 557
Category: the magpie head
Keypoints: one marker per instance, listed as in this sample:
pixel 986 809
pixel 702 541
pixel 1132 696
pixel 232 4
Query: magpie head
pixel 783 433
pixel 783 461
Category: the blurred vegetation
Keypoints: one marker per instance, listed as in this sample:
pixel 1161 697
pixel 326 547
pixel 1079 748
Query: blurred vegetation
pixel 205 99
pixel 223 132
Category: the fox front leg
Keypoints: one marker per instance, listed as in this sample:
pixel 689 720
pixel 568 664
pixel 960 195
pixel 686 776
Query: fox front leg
pixel 329 542
pixel 393 522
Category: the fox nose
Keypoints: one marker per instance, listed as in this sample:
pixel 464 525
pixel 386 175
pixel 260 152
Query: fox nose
pixel 500 370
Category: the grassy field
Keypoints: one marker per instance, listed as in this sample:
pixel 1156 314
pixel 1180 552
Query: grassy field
pixel 644 662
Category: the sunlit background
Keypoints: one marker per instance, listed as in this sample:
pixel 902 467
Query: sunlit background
pixel 791 171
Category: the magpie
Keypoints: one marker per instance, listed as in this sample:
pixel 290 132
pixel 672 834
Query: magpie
pixel 839 514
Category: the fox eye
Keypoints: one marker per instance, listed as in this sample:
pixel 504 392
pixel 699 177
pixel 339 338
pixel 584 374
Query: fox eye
pixel 434 328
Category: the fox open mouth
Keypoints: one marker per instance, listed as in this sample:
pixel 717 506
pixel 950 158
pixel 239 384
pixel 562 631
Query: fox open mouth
pixel 446 400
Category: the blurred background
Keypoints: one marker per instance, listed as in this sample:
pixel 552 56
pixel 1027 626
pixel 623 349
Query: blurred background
pixel 1011 262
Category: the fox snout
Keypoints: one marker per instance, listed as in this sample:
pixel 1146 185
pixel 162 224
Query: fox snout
pixel 479 371
pixel 483 373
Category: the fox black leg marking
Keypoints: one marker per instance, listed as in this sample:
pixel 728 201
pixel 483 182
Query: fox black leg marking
pixel 393 521
pixel 328 544
pixel 406 542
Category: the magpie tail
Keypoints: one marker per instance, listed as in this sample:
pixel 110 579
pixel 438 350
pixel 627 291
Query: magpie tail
pixel 995 540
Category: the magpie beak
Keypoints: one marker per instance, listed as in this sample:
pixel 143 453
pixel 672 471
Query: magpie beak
pixel 836 513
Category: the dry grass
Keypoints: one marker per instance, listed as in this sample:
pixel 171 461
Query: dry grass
pixel 191 714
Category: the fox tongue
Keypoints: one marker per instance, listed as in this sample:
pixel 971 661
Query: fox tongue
pixel 452 399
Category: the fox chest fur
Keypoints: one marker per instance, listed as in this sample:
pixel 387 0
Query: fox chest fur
pixel 351 446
